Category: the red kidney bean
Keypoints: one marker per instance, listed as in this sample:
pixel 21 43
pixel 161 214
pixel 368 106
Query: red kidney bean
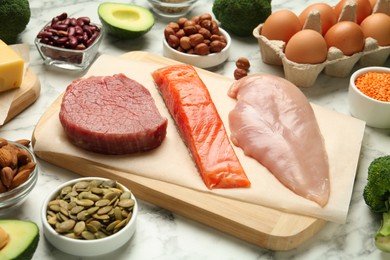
pixel 54 20
pixel 73 42
pixel 62 33
pixel 85 19
pixel 80 22
pixel 62 27
pixel 62 16
pixel 71 31
pixel 79 30
pixel 88 30
pixel 66 21
pixel 92 39
pixel 73 21
pixel 44 34
pixel 80 46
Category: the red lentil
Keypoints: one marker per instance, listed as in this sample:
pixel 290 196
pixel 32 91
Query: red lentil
pixel 375 85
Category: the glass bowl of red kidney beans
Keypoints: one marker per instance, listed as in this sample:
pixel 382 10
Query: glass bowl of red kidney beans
pixel 68 42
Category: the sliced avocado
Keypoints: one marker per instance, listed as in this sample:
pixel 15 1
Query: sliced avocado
pixel 23 238
pixel 125 21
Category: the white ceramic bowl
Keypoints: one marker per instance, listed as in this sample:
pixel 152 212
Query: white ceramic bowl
pixel 89 248
pixel 374 112
pixel 206 61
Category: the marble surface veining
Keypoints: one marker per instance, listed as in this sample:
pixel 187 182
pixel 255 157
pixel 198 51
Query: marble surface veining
pixel 161 234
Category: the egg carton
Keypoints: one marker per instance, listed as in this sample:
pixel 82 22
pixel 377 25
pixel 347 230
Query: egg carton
pixel 337 64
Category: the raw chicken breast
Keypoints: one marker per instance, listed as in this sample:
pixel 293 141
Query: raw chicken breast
pixel 274 123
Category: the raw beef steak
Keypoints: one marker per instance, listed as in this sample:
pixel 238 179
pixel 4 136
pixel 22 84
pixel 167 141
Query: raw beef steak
pixel 111 115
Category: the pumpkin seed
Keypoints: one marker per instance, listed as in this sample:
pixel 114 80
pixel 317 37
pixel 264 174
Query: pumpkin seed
pixel 102 203
pixel 104 210
pixel 100 234
pixel 76 210
pixel 87 235
pixel 126 203
pixel 79 227
pixel 94 226
pixel 65 226
pixel 85 202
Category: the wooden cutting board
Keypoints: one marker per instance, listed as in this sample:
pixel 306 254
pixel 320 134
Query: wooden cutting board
pixel 262 226
pixel 26 95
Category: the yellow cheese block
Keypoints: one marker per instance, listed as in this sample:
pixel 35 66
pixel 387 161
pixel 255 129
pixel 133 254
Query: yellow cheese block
pixel 11 68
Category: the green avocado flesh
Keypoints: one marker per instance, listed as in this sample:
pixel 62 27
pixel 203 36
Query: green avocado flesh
pixel 23 239
pixel 125 21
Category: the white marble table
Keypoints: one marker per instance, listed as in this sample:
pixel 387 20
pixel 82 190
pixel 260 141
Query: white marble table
pixel 161 234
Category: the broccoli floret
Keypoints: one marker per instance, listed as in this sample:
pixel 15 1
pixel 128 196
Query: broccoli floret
pixel 14 17
pixel 240 17
pixel 376 194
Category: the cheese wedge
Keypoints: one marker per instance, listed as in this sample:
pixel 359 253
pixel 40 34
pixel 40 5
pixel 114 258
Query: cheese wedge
pixel 11 68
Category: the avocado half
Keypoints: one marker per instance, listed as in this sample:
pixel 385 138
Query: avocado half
pixel 125 21
pixel 23 238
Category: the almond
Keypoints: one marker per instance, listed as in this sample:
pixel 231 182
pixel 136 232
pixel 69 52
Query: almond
pixel 6 176
pixel 24 142
pixel 6 157
pixel 29 165
pixel 23 157
pixel 20 178
pixel 2 187
pixel 3 142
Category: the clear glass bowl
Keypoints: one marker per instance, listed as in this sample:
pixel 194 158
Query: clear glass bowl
pixel 171 8
pixel 68 58
pixel 11 199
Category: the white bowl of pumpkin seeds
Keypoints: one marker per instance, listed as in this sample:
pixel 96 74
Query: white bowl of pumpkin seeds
pixel 89 216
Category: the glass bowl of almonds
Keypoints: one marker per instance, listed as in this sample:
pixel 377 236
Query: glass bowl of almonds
pixel 89 216
pixel 198 41
pixel 68 42
pixel 18 173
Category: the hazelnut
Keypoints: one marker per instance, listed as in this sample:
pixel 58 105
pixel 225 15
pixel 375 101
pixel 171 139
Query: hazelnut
pixel 206 33
pixel 240 73
pixel 216 46
pixel 181 21
pixel 168 31
pixel 174 26
pixel 206 24
pixel 185 43
pixel 173 41
pixel 205 16
pixel 243 63
pixel 180 33
pixel 189 23
pixel 195 39
pixel 191 29
pixel 201 49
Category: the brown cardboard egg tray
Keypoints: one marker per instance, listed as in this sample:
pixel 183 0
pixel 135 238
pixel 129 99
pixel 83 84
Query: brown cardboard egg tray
pixel 337 64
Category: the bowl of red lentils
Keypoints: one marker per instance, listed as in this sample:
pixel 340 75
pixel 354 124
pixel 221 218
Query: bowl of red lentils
pixel 369 96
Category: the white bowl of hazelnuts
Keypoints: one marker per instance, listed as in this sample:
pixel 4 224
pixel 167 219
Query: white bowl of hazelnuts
pixel 198 41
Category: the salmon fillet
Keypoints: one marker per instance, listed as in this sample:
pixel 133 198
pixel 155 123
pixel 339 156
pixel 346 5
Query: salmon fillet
pixel 200 126
pixel 274 123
